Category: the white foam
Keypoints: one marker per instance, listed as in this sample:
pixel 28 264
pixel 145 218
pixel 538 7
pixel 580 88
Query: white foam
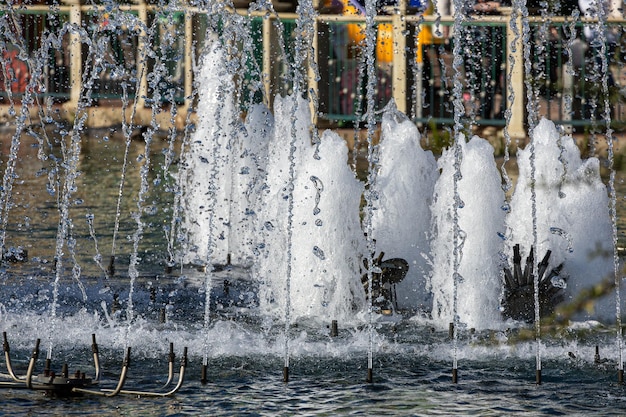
pixel 248 167
pixel 224 170
pixel 573 218
pixel 401 218
pixel 207 164
pixel 327 241
pixel 481 220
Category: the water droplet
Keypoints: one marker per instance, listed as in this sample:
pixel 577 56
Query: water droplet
pixel 558 282
pixel 560 232
pixel 319 252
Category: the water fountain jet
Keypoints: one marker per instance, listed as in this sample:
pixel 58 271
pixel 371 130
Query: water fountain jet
pixel 258 164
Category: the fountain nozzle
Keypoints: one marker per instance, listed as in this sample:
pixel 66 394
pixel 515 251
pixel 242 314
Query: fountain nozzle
pixel 334 331
pixel 112 265
pixel 203 378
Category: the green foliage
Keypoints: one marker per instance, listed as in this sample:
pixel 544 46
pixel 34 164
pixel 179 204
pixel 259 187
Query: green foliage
pixel 437 140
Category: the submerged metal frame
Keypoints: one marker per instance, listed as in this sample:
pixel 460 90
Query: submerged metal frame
pixel 65 385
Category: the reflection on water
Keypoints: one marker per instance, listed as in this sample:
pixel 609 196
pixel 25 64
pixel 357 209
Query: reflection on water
pixel 34 215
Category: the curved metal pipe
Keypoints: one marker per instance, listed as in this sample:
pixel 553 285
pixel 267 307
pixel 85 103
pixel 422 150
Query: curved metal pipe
pixel 13 385
pixel 181 375
pixel 7 357
pixel 170 370
pixel 31 365
pixel 96 358
pixel 179 384
pixel 17 382
pixel 28 382
pixel 120 383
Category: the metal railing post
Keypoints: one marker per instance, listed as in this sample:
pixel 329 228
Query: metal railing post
pixel 267 60
pixel 188 61
pixel 398 79
pixel 76 58
pixel 568 94
pixel 567 75
pixel 417 98
pixel 142 11
pixel 312 75
pixel 516 76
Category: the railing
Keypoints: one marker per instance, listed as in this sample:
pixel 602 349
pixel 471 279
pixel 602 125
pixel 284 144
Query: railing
pixel 567 91
pixel 99 55
pixel 416 70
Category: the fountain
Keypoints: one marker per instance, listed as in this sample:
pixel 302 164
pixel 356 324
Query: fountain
pixel 241 232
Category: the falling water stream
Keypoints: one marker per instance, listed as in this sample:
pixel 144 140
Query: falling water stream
pixel 531 110
pixel 127 134
pixel 217 144
pixel 459 111
pixel 67 172
pixel 602 40
pixel 370 197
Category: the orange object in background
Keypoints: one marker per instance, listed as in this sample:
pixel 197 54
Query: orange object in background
pixel 356 33
pixel 426 37
pixel 384 40
pixel 384 43
pixel 18 73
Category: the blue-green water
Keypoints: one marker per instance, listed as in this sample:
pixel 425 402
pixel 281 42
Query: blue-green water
pixel 406 382
pixel 412 362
